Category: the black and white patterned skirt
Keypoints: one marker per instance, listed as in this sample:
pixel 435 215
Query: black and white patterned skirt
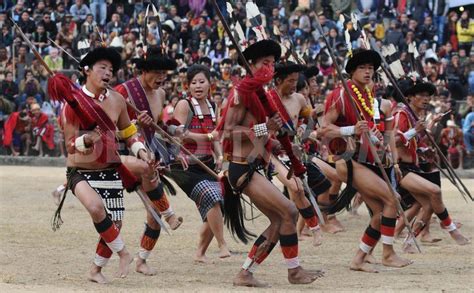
pixel 107 183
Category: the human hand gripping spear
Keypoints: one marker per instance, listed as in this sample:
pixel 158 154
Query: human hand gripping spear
pixel 130 182
pixel 366 136
pixel 453 177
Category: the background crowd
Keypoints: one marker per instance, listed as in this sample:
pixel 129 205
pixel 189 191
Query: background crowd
pixel 192 33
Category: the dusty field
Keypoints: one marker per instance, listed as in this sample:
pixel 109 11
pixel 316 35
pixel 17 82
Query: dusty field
pixel 33 258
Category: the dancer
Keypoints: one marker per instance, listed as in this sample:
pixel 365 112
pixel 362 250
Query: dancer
pixel 424 185
pixel 247 144
pixel 146 94
pixel 202 140
pixel 286 77
pixel 357 167
pixel 92 177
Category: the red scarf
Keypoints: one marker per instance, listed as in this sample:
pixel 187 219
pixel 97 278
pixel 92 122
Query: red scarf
pixel 91 116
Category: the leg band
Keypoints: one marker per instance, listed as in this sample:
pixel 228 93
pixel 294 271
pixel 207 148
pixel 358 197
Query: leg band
pixel 289 247
pixel 149 239
pixel 309 216
pixel 369 239
pixel 111 234
pixel 387 228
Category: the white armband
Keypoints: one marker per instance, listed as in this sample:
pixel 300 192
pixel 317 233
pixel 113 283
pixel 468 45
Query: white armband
pixel 410 134
pixel 80 145
pixel 347 130
pixel 260 129
pixel 136 147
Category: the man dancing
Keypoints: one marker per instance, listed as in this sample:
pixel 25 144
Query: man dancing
pixel 286 77
pixel 146 94
pixel 92 171
pixel 247 143
pixel 357 168
pixel 422 184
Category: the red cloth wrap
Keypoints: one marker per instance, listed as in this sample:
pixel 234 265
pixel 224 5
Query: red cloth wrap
pixel 91 116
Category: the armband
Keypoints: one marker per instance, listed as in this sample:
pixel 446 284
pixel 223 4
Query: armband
pixel 128 132
pixel 410 134
pixel 347 130
pixel 260 129
pixel 305 112
pixel 172 128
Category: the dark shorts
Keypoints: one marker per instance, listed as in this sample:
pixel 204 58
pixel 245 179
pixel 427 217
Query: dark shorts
pixel 244 171
pixel 107 183
pixel 405 168
pixel 317 181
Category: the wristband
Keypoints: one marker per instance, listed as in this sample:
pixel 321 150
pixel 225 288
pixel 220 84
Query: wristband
pixel 80 144
pixel 347 130
pixel 136 147
pixel 410 134
pixel 260 130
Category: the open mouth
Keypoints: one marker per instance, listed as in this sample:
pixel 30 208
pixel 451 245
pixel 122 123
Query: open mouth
pixel 199 92
pixel 105 80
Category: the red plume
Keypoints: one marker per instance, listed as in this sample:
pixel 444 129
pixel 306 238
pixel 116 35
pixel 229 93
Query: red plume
pixel 60 88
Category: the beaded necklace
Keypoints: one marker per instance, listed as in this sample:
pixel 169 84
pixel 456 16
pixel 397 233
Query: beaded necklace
pixel 361 99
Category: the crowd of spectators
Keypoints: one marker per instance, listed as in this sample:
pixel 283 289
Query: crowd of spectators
pixel 192 33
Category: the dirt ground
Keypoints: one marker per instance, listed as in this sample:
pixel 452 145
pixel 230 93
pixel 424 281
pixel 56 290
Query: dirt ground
pixel 34 258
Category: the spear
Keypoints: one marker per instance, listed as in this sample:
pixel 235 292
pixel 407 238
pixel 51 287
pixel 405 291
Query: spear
pixel 366 136
pixel 451 172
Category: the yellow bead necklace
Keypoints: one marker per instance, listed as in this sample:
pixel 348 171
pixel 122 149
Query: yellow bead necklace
pixel 369 110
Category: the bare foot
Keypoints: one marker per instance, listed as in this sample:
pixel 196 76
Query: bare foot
pixel 306 232
pixel 95 275
pixel 15 154
pixel 317 273
pixel 426 238
pixel 301 276
pixel 224 251
pixel 333 220
pixel 459 238
pixel 369 258
pixel 317 237
pixel 143 268
pixel 393 260
pixel 362 267
pixel 409 246
pixel 174 221
pixel 124 263
pixel 330 228
pixel 202 259
pixel 246 279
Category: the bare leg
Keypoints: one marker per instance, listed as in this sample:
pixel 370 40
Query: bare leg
pixel 94 205
pixel 421 187
pixel 264 194
pixel 205 238
pixel 376 194
pixel 296 192
pixel 216 223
